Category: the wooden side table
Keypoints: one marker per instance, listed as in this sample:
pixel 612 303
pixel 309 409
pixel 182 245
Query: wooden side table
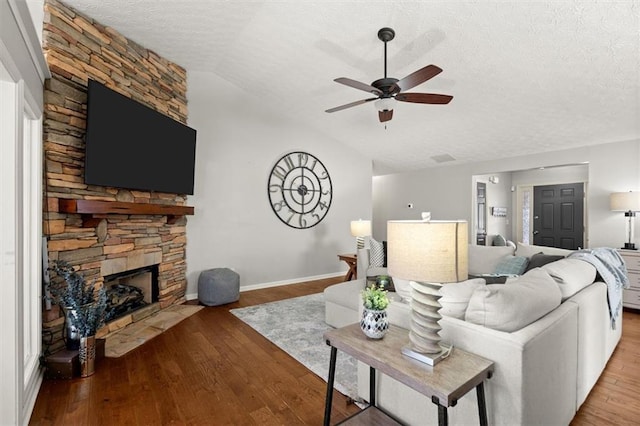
pixel 444 383
pixel 352 261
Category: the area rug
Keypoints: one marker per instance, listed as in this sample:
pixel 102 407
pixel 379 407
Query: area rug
pixel 296 326
pixel 136 334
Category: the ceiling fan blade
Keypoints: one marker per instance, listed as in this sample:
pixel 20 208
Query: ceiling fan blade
pixel 418 77
pixel 424 98
pixel 349 105
pixel 385 115
pixel 357 85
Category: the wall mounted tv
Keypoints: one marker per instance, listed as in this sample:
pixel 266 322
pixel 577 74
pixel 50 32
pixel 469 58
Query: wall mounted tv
pixel 129 145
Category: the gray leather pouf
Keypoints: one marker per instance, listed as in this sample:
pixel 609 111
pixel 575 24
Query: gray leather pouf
pixel 218 286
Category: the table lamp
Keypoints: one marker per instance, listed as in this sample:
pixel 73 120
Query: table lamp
pixel 360 229
pixel 429 254
pixel 629 203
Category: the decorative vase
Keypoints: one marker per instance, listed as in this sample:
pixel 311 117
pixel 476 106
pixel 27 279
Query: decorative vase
pixel 87 355
pixel 374 323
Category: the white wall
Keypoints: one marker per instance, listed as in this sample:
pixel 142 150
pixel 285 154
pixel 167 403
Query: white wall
pixel 498 194
pixel 239 140
pixel 22 73
pixel 447 191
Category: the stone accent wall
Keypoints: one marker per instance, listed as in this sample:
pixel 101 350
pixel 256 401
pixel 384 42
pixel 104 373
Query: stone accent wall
pixel 78 48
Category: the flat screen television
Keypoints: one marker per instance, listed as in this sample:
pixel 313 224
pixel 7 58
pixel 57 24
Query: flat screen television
pixel 129 145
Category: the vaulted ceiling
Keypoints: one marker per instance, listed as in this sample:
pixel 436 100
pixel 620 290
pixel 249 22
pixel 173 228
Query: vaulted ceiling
pixel 526 76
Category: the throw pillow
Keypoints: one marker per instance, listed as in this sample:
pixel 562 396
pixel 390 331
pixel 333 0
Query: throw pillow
pixel 512 265
pixel 516 305
pixel 403 288
pixel 483 259
pixel 376 256
pixel 571 275
pixel 455 297
pixel 492 278
pixel 541 259
pixel 499 241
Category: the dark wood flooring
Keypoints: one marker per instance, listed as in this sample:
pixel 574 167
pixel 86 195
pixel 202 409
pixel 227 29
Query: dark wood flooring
pixel 213 369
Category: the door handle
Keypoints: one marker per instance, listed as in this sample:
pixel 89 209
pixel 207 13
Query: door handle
pixel 536 232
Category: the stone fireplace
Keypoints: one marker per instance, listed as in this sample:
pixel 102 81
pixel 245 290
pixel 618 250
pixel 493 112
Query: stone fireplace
pixel 105 231
pixel 130 289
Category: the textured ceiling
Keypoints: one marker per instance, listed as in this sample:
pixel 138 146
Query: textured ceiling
pixel 526 76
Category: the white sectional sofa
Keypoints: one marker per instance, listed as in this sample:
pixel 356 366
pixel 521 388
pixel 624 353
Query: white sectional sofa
pixel 544 370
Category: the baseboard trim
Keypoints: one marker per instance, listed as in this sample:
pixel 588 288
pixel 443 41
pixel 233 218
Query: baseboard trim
pixel 193 296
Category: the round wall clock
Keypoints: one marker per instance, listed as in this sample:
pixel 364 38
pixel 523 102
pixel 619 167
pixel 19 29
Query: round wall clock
pixel 300 190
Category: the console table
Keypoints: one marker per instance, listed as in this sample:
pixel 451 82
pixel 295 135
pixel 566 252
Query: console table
pixel 444 383
pixel 352 261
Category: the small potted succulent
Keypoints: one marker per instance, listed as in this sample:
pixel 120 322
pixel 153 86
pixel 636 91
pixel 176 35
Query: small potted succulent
pixel 84 309
pixel 374 322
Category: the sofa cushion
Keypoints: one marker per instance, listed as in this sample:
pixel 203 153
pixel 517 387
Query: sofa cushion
pixel 377 256
pixel 374 271
pixel 403 288
pixel 528 250
pixel 571 275
pixel 484 259
pixel 540 259
pixel 347 294
pixel 515 305
pixel 455 297
pixel 511 265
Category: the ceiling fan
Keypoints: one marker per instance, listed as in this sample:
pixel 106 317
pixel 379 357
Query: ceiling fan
pixel 388 90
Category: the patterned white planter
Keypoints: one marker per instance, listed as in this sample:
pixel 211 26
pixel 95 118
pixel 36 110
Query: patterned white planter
pixel 374 323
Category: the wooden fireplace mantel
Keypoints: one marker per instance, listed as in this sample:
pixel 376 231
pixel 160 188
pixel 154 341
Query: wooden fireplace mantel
pixel 91 207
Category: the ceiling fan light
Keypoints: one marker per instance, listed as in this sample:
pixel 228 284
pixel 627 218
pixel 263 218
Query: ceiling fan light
pixel 385 104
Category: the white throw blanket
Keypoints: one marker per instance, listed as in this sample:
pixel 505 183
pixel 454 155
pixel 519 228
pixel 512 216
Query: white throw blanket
pixel 613 271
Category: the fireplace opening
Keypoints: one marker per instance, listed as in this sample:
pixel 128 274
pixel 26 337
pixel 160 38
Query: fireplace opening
pixel 130 290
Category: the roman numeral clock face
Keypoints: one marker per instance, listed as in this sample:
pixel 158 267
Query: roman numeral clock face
pixel 300 190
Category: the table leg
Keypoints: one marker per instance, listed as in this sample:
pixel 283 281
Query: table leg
pixel 349 274
pixel 329 398
pixel 372 386
pixel 482 406
pixel 443 415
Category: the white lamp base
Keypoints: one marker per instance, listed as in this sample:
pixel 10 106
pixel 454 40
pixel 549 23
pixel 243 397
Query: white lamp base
pixel 424 334
pixel 430 359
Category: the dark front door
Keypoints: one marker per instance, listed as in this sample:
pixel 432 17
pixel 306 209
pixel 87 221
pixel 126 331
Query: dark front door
pixel 558 215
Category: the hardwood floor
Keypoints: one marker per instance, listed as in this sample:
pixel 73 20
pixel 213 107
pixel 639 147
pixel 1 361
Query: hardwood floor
pixel 209 369
pixel 614 399
pixel 214 369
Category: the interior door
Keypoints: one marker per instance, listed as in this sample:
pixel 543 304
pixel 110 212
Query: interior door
pixel 558 215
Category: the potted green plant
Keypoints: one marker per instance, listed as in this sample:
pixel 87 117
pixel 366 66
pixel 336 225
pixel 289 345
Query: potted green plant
pixel 374 322
pixel 84 309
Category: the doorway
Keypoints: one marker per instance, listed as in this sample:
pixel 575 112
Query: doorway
pixel 558 215
pixel 481 213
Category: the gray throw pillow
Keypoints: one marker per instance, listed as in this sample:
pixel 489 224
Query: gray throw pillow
pixel 512 265
pixel 540 259
pixel 499 241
